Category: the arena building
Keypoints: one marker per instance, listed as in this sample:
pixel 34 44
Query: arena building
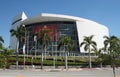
pixel 75 27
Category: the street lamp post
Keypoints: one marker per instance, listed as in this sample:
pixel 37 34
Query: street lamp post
pixel 26 39
pixel 24 46
pixel 24 55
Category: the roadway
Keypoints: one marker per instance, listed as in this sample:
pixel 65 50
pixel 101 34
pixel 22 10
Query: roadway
pixel 59 73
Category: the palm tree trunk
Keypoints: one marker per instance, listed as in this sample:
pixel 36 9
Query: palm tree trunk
pixel 90 64
pixel 42 60
pixel 45 53
pixel 24 61
pixel 101 65
pixel 17 54
pixel 66 66
pixel 113 66
pixel 35 48
pixel 5 63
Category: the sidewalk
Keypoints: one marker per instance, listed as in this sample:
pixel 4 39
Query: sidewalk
pixel 77 69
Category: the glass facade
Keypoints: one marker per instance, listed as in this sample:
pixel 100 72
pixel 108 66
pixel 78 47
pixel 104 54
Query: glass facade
pixel 57 29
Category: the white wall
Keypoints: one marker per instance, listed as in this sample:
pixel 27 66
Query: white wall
pixel 86 28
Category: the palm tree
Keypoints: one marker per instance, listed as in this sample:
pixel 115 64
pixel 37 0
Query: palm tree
pixel 19 33
pixel 1 41
pixel 100 54
pixel 67 43
pixel 112 48
pixel 88 45
pixel 43 39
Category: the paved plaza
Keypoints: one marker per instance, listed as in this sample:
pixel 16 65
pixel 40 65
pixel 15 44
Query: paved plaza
pixel 59 73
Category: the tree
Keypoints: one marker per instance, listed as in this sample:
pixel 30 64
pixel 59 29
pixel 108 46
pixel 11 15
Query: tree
pixel 100 54
pixel 19 33
pixel 43 39
pixel 88 45
pixel 67 43
pixel 1 41
pixel 4 56
pixel 112 49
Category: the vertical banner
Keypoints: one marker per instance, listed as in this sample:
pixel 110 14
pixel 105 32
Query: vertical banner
pixel 24 49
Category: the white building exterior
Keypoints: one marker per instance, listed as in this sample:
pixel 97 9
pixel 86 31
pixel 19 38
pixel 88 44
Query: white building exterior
pixel 84 27
pixel 16 22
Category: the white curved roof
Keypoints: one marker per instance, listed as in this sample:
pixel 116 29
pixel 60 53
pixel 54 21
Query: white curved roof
pixel 44 17
pixel 21 16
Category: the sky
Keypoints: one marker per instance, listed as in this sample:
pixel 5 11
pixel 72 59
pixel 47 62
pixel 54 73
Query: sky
pixel 105 12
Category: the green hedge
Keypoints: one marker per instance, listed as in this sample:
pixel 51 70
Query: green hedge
pixel 49 61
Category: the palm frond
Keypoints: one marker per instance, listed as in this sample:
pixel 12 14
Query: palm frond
pixel 1 39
